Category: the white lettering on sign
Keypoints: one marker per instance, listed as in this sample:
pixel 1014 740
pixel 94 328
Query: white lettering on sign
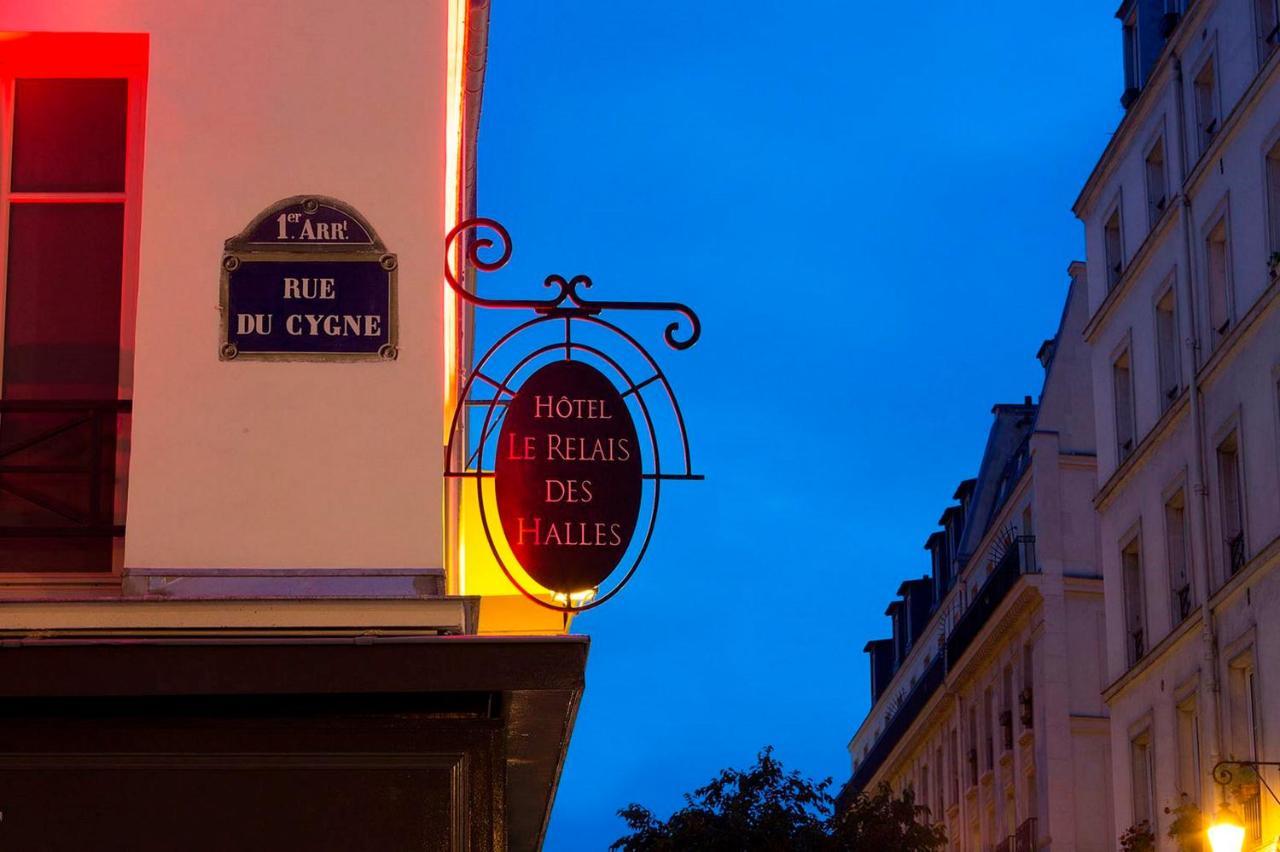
pixel 253 324
pixel 333 232
pixel 564 408
pixel 568 476
pixel 309 288
pixel 532 531
pixel 333 325
pixel 312 325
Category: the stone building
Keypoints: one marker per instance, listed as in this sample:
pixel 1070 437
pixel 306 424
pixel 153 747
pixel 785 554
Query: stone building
pixel 986 699
pixel 1182 226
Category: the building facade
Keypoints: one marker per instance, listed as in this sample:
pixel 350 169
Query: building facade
pixel 986 699
pixel 1182 225
pixel 237 608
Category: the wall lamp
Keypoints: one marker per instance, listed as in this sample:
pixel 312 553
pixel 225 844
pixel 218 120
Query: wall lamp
pixel 1227 832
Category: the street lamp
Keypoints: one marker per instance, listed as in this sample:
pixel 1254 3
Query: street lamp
pixel 1227 832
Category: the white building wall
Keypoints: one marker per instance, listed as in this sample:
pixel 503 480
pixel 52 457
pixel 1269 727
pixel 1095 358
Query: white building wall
pixel 249 103
pixel 1047 633
pixel 1188 663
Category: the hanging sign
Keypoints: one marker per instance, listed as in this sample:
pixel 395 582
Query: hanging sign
pixel 568 478
pixel 562 437
pixel 308 279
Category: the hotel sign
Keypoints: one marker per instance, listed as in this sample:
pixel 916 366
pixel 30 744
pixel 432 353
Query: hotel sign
pixel 568 427
pixel 308 280
pixel 568 478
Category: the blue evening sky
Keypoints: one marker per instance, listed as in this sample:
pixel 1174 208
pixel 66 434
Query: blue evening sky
pixel 869 206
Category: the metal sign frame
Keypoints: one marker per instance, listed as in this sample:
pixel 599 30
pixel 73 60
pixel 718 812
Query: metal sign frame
pixel 570 310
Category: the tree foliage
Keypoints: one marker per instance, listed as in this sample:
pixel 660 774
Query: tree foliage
pixel 765 808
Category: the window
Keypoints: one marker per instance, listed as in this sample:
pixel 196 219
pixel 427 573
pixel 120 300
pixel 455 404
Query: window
pixel 1189 748
pixel 1267 20
pixel 1157 193
pixel 937 781
pixel 1206 100
pixel 1172 14
pixel 1122 387
pixel 1026 698
pixel 1132 71
pixel 1135 618
pixel 1175 534
pixel 69 137
pixel 926 790
pixel 1006 707
pixel 973 745
pixel 1218 257
pixel 1231 504
pixel 1167 349
pixel 953 757
pixel 1245 730
pixel 1112 248
pixel 988 714
pixel 1242 685
pixel 1033 810
pixel 1142 761
pixel 1273 205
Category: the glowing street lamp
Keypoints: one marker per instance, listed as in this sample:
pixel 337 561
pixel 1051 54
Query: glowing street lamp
pixel 1227 832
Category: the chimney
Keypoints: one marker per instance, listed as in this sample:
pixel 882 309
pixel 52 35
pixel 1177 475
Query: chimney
pixel 1046 352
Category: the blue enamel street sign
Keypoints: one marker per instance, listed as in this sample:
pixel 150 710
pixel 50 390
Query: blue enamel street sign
pixel 308 279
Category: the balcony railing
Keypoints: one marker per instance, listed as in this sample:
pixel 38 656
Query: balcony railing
pixel 58 463
pixel 901 721
pixel 1024 839
pixel 1019 559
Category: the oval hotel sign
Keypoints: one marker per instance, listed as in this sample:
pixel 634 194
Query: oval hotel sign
pixel 568 476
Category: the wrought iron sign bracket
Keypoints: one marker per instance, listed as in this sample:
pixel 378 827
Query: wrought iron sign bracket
pixel 567 289
pixel 1224 773
pixel 575 545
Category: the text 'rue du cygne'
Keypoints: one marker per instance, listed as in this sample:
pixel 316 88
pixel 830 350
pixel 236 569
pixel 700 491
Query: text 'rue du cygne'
pixel 305 324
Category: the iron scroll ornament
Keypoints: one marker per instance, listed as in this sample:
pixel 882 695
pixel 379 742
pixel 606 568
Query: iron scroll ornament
pixel 573 319
pixel 568 288
pixel 1224 773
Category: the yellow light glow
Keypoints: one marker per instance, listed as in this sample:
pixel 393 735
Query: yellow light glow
pixel 1227 832
pixel 503 609
pixel 453 200
pixel 575 598
pixel 473 568
pixel 454 122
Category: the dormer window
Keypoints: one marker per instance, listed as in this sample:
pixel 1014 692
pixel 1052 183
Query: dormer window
pixel 1132 69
